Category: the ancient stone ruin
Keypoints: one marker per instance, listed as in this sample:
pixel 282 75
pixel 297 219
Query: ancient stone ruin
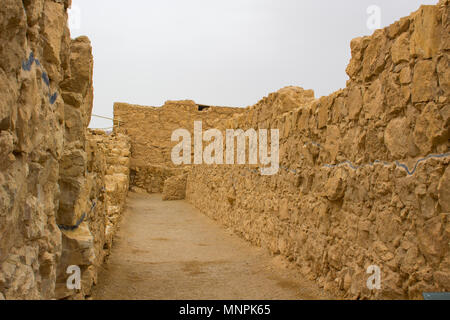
pixel 62 186
pixel 364 173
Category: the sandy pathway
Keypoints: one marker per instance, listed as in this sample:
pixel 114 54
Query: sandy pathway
pixel 169 250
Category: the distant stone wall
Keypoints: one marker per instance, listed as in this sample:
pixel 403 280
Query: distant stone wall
pixel 175 188
pixel 364 178
pixel 151 178
pixel 150 128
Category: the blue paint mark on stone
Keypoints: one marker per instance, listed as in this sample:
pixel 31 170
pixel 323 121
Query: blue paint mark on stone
pixel 79 222
pixel 26 65
pixel 398 164
pixel 53 97
pixel 436 295
pixel 443 155
pixel 370 164
pixel 45 78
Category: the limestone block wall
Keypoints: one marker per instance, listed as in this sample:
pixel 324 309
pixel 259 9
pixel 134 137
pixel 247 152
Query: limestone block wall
pixel 34 60
pixel 83 246
pixel 77 93
pixel 364 176
pixel 175 188
pixel 117 177
pixel 107 182
pixel 150 130
pixel 55 205
pixel 77 190
pixel 151 178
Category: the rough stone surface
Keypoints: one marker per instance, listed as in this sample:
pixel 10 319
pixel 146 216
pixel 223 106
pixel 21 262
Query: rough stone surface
pixel 151 162
pixel 174 188
pixel 155 146
pixel 55 210
pixel 150 178
pixel 364 176
pixel 116 179
pixel 396 137
pixel 356 186
pixel 334 219
pixel 444 191
pixel 31 144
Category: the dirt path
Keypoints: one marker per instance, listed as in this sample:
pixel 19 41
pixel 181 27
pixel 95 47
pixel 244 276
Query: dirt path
pixel 169 250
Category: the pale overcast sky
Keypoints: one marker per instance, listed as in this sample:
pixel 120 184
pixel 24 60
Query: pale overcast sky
pixel 226 53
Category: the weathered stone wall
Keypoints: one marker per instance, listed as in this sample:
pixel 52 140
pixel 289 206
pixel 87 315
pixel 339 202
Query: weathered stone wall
pixel 175 188
pixel 80 192
pixel 117 177
pixel 106 184
pixel 34 60
pixel 364 176
pixel 151 178
pixel 150 130
pixel 55 206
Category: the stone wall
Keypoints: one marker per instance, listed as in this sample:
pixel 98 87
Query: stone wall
pixel 364 177
pixel 150 130
pixel 57 203
pixel 80 192
pixel 151 178
pixel 106 182
pixel 175 188
pixel 117 147
pixel 34 60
